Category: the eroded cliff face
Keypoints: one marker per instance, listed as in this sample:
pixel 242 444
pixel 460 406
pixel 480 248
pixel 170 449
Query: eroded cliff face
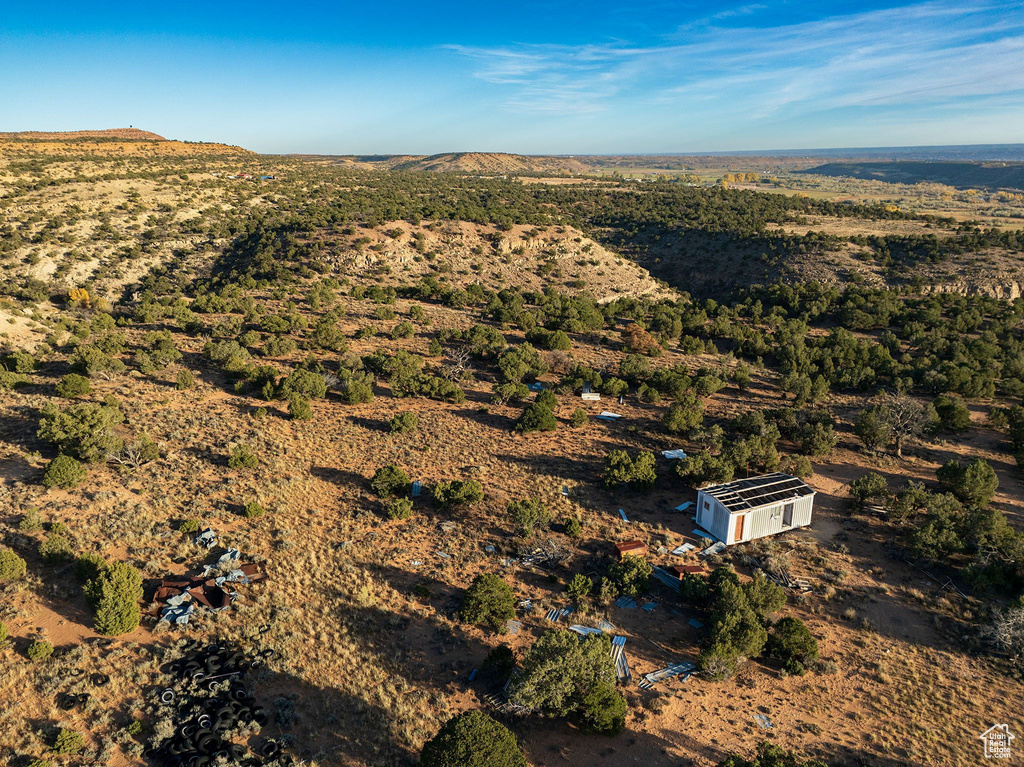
pixel 529 257
pixel 1008 289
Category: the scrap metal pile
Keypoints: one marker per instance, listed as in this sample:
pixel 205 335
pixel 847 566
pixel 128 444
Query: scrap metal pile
pixel 179 596
pixel 208 702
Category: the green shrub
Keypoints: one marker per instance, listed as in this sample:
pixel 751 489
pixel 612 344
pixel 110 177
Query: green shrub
pixel 88 566
pixel 39 650
pixel 242 457
pixel 622 469
pixel 694 589
pixel 521 362
pixel 560 670
pixel 83 430
pixel 305 382
pixel 510 392
pixel 185 380
pixel 736 627
pixel 140 451
pixel 403 330
pixel 56 547
pixel 459 492
pixel 974 484
pixel 20 362
pixel 764 596
pixel 3 635
pixel 31 521
pixel 404 423
pixel 390 481
pixel 91 360
pixel 9 380
pixel 817 439
pixel 73 385
pixel 12 567
pixel 68 742
pixel 536 417
pixel 64 472
pixel 631 575
pixel 299 407
pixel 573 528
pixel 472 739
pixel 398 508
pixel 579 587
pixel 798 466
pixel 499 662
pixel 547 339
pixel 602 710
pixel 952 413
pixel 354 387
pixel 792 643
pixel 252 510
pixel 189 526
pixel 614 387
pixel 647 393
pixel 685 415
pixel 488 601
pixel 873 428
pixel 578 418
pixel 867 486
pixel 941 532
pixel 114 596
pixel 527 515
pixel 547 398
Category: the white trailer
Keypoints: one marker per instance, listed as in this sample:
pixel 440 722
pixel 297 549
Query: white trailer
pixel 746 509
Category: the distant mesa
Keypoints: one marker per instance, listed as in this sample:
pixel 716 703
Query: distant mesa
pixel 122 134
pixel 491 162
pixel 487 163
pixel 122 142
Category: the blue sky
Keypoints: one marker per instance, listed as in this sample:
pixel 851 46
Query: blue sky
pixel 530 77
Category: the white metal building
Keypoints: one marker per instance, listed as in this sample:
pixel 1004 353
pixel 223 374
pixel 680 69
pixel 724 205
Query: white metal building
pixel 745 509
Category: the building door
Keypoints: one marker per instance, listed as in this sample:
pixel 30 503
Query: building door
pixel 787 515
pixel 739 528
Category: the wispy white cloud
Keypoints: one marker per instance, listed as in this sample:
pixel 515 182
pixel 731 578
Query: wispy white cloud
pixel 924 54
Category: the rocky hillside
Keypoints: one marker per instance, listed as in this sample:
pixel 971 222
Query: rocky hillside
pixel 492 162
pixel 529 257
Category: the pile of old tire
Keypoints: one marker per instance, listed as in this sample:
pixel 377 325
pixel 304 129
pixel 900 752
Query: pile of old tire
pixel 208 701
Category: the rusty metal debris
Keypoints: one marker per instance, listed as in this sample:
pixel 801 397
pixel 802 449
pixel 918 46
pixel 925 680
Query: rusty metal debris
pixel 180 596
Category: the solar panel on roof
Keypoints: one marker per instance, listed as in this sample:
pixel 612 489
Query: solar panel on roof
pixel 759 491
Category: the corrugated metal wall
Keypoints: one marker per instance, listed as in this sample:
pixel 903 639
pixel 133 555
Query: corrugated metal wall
pixel 756 524
pixel 768 521
pixel 762 522
pixel 802 511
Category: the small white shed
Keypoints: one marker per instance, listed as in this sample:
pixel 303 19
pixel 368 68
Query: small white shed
pixel 745 509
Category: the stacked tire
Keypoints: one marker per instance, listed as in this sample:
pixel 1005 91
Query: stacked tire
pixel 211 682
